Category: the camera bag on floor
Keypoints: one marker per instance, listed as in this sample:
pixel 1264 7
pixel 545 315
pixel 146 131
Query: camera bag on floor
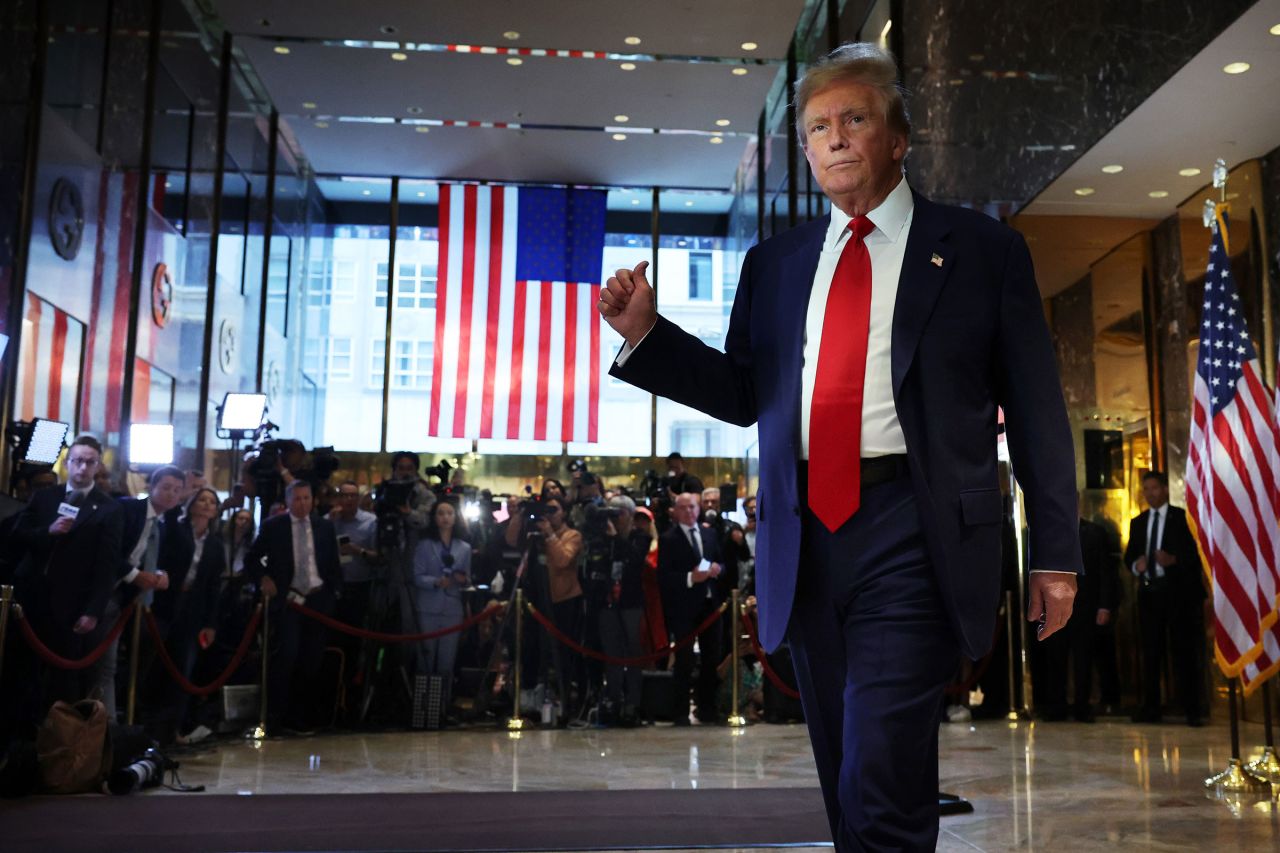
pixel 72 747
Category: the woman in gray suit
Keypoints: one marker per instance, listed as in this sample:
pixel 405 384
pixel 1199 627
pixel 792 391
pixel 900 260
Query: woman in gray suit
pixel 441 571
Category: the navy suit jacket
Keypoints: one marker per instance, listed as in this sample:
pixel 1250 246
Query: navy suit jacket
pixel 272 554
pixel 969 335
pixel 1185 575
pixel 682 603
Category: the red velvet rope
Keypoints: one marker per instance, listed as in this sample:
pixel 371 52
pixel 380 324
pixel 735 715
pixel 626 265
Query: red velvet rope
pixel 564 639
pixel 487 613
pixel 216 684
pixel 783 688
pixel 54 659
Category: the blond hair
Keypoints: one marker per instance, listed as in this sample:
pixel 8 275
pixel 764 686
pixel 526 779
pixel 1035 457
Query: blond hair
pixel 857 62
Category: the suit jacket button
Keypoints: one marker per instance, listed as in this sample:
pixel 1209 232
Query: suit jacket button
pixel 796 510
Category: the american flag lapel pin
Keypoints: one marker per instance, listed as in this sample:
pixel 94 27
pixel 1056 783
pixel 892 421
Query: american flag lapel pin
pixel 936 260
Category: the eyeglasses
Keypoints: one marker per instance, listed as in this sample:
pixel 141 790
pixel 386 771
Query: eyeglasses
pixel 553 510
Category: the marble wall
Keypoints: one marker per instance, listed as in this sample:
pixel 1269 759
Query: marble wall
pixel 1071 319
pixel 1172 340
pixel 1006 94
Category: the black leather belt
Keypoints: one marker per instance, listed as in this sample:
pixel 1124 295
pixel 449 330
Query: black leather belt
pixel 874 469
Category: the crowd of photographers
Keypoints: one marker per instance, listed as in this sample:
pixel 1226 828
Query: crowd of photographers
pixel 615 573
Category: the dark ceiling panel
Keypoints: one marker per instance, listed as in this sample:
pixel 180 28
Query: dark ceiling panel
pixel 473 87
pixel 672 27
pixel 510 155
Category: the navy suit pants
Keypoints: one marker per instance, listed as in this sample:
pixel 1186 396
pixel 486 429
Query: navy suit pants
pixel 873 650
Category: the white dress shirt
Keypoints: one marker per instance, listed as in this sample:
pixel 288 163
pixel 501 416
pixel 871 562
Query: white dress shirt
pixel 696 537
pixel 306 577
pixel 1156 531
pixel 140 547
pixel 886 244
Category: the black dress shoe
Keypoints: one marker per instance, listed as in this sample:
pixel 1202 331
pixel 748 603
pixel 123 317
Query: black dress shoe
pixel 680 722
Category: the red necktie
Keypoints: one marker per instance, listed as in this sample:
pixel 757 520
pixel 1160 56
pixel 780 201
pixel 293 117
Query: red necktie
pixel 835 413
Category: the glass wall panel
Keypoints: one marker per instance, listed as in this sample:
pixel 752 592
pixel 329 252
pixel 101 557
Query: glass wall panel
pixel 698 279
pixel 345 305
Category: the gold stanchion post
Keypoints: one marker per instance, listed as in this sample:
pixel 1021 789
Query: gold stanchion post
pixel 135 640
pixel 515 722
pixel 736 720
pixel 1235 779
pixel 260 733
pixel 1265 766
pixel 6 600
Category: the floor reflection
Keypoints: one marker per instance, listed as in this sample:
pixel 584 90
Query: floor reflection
pixel 1034 786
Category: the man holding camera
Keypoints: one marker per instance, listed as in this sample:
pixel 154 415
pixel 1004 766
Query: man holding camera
pixel 617 600
pixel 688 566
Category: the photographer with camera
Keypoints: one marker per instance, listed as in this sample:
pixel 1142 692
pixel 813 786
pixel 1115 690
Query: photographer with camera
pixel 617 602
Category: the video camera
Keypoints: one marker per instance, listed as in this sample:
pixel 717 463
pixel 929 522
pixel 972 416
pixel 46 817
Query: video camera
pixel 267 453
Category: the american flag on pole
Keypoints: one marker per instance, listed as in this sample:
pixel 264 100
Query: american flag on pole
pixel 1232 466
pixel 517 332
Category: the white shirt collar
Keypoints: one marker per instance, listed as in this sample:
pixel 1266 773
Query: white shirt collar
pixel 888 219
pixel 306 519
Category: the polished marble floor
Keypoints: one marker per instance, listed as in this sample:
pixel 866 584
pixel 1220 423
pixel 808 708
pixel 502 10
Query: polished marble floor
pixel 1034 786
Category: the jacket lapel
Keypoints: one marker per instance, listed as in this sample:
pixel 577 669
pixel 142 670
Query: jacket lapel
pixel 926 263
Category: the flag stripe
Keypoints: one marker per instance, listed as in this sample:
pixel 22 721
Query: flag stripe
pixel 496 242
pixel 517 358
pixel 57 352
pixel 593 408
pixel 544 361
pixel 468 284
pixel 570 339
pixel 442 292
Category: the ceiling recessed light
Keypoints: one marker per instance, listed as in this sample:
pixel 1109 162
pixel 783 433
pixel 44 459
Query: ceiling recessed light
pixel 399 57
pixel 387 29
pixel 1275 31
pixel 422 195
pixel 1158 194
pixel 716 140
pixel 619 137
pixel 1084 191
pixel 635 201
pixel 722 122
pixel 514 60
pixel 688 204
pixel 621 119
pixel 413 111
pixel 308 105
pixel 632 40
pixel 1113 169
pixel 366 192
pixel 263 22
pixel 749 45
pixel 628 66
pixel 281 49
pixel 422 129
pixel 511 35
pixel 322 124
pixel 1236 67
pixel 739 71
pixel 1189 172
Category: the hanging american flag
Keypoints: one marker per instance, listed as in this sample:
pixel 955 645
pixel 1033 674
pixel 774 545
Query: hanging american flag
pixel 517 335
pixel 1232 465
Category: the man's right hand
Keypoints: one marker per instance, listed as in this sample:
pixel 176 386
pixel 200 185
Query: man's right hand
pixel 1141 566
pixel 628 305
pixel 61 525
pixel 268 587
pixel 699 576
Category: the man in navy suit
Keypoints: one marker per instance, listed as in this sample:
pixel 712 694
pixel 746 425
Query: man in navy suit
pixel 688 566
pixel 873 348
pixel 295 557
